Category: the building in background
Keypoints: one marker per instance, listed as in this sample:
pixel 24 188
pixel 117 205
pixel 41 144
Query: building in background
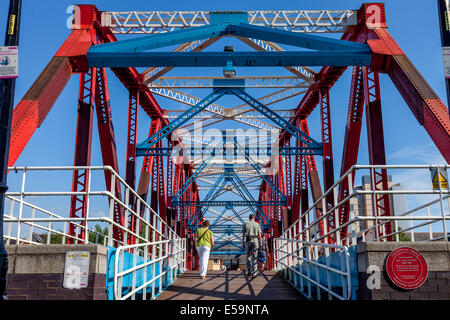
pixel 362 204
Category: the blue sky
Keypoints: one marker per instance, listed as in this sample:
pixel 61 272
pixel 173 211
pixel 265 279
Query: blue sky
pixel 413 24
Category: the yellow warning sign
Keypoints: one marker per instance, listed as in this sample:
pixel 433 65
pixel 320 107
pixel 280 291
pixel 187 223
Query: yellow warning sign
pixel 439 178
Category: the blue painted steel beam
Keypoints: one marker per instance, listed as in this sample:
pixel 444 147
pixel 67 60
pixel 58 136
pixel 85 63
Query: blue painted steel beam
pixel 274 117
pixel 212 152
pixel 239 59
pixel 254 151
pixel 219 217
pixel 237 215
pixel 245 193
pixel 225 27
pixel 160 40
pixel 227 243
pixel 297 39
pixel 182 119
pixel 211 195
pixel 227 253
pixel 268 180
pixel 230 229
pixel 222 203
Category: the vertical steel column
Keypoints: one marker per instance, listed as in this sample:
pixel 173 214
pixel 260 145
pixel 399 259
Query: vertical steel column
pixel 130 169
pixel 162 190
pixel 375 137
pixel 147 165
pixel 82 157
pixel 133 111
pixel 288 170
pixel 314 181
pixel 351 142
pixel 108 145
pixel 328 172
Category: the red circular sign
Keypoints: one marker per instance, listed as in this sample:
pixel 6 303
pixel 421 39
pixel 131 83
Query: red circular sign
pixel 406 268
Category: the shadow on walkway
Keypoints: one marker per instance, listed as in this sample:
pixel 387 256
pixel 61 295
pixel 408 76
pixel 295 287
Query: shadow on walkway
pixel 230 285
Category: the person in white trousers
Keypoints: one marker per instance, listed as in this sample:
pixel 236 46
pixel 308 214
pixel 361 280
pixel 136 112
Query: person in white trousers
pixel 204 243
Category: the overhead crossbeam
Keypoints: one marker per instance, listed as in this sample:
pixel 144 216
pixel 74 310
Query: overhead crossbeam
pixel 238 59
pixel 247 82
pixel 150 22
pixel 229 152
pixel 128 53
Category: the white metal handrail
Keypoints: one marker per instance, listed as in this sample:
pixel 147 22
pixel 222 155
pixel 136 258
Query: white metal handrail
pixel 162 252
pixel 149 222
pixel 289 261
pixel 313 222
pixel 362 225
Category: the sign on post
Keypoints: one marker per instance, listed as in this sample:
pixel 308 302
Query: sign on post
pixel 9 62
pixel 76 269
pixel 439 178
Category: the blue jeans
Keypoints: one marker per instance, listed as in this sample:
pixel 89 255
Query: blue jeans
pixel 252 256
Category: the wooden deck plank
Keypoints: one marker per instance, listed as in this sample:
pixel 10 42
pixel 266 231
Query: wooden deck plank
pixel 230 285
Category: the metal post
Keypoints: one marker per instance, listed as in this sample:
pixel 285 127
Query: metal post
pixel 7 89
pixel 444 12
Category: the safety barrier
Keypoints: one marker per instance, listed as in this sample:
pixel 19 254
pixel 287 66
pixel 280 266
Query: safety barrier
pixel 23 217
pixel 313 243
pixel 156 257
pixel 152 268
pixel 302 265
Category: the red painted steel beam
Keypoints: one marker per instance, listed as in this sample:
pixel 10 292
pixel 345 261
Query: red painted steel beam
pixel 108 143
pixel 83 142
pixel 423 102
pixel 351 142
pixel 375 136
pixel 31 111
pixel 133 112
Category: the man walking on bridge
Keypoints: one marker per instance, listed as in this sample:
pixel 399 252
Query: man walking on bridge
pixel 250 235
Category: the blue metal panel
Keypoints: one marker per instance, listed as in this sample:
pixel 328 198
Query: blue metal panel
pixel 221 83
pixel 220 59
pixel 228 17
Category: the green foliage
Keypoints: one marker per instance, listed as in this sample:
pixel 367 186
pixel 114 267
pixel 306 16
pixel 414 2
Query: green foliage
pixel 403 236
pixel 99 235
pixel 96 236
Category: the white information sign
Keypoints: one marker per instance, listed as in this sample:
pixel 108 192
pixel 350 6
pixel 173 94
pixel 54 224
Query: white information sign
pixel 76 269
pixel 9 62
pixel 446 57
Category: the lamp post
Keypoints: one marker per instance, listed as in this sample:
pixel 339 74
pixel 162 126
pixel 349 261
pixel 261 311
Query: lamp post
pixel 7 88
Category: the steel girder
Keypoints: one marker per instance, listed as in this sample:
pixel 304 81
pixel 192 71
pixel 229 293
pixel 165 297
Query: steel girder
pixel 202 151
pixel 83 142
pixel 238 59
pixel 173 125
pixel 149 22
pixel 156 41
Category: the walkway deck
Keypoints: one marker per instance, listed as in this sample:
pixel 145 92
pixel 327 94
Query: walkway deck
pixel 230 285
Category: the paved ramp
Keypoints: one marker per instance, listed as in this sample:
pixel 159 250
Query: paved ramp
pixel 230 285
